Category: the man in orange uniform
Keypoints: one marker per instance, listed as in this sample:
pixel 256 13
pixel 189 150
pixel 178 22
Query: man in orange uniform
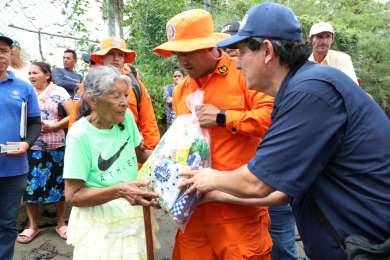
pixel 237 119
pixel 113 52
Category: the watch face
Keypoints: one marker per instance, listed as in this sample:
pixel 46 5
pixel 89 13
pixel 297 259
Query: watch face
pixel 221 118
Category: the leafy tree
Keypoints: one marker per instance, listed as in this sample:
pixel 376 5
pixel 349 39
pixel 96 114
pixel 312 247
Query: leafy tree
pixel 362 29
pixel 147 26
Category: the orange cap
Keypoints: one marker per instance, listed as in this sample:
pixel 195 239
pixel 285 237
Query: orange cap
pixel 112 43
pixel 189 31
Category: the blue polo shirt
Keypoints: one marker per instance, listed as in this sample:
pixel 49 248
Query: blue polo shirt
pixel 13 92
pixel 328 138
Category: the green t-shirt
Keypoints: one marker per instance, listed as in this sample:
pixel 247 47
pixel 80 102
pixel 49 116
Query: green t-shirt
pixel 102 157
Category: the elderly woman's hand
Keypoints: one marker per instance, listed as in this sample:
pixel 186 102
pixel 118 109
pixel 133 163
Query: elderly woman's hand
pixel 132 192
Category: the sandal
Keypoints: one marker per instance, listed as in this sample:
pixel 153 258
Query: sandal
pixel 61 231
pixel 27 235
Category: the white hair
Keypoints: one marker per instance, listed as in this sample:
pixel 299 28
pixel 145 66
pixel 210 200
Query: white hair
pixel 101 79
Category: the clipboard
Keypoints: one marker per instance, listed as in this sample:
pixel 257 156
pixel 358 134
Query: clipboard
pixel 23 120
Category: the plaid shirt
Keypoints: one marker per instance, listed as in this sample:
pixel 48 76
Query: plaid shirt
pixel 48 104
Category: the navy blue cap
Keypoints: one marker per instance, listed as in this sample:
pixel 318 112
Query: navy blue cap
pixel 268 20
pixel 8 40
pixel 86 57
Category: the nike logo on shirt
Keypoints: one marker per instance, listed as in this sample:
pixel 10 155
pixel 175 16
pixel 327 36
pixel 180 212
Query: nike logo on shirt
pixel 103 164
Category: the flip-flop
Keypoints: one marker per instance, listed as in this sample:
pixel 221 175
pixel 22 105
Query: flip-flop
pixel 61 231
pixel 27 235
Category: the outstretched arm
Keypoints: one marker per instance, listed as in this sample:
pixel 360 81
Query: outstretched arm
pixel 274 199
pixel 76 194
pixel 240 182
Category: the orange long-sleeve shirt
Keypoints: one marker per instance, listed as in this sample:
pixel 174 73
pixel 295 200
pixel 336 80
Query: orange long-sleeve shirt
pixel 248 116
pixel 248 113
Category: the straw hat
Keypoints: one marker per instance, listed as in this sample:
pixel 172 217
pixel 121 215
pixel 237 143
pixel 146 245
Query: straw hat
pixel 189 31
pixel 112 43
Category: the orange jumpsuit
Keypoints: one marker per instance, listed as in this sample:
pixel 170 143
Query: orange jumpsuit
pixel 221 230
pixel 145 119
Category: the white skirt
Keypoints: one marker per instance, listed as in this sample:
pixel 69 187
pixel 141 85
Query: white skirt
pixel 113 230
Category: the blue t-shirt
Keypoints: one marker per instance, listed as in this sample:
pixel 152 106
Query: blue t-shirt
pixel 13 92
pixel 328 138
pixel 66 79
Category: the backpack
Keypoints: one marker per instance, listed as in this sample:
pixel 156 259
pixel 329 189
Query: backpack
pixel 136 87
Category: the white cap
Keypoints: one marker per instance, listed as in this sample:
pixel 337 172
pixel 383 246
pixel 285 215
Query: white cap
pixel 320 27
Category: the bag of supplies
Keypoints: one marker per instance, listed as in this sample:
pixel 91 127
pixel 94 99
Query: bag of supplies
pixel 184 146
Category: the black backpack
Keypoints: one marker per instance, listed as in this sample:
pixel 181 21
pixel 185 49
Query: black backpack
pixel 136 87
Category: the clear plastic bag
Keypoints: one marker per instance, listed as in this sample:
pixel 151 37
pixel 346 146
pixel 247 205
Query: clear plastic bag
pixel 184 146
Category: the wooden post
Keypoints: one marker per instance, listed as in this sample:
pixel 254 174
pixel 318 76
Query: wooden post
pixel 111 18
pixel 148 233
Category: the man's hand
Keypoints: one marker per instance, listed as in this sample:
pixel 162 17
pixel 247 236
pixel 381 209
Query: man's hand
pixel 207 115
pixel 201 181
pixel 23 148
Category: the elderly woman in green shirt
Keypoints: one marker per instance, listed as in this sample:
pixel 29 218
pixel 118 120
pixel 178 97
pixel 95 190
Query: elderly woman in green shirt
pixel 100 172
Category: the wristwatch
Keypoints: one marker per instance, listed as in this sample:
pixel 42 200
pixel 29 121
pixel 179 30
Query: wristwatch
pixel 221 118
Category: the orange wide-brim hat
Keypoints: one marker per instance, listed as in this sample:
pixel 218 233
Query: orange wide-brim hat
pixel 190 31
pixel 113 43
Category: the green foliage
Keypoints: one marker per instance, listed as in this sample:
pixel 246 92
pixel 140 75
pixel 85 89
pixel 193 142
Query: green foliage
pixel 79 8
pixel 362 29
pixel 147 26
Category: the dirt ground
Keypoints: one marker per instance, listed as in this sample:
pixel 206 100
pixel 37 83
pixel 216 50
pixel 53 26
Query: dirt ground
pixel 48 245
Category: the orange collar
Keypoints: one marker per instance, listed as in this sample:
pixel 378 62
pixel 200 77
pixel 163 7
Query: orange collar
pixel 222 69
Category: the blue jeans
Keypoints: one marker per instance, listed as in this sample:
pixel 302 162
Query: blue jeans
pixel 11 191
pixel 283 233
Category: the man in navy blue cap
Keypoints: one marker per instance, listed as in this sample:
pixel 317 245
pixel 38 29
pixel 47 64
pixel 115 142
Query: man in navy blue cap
pixel 19 128
pixel 327 150
pixel 282 227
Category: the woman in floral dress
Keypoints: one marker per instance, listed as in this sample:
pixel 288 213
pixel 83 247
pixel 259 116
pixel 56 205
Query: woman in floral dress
pixel 46 157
